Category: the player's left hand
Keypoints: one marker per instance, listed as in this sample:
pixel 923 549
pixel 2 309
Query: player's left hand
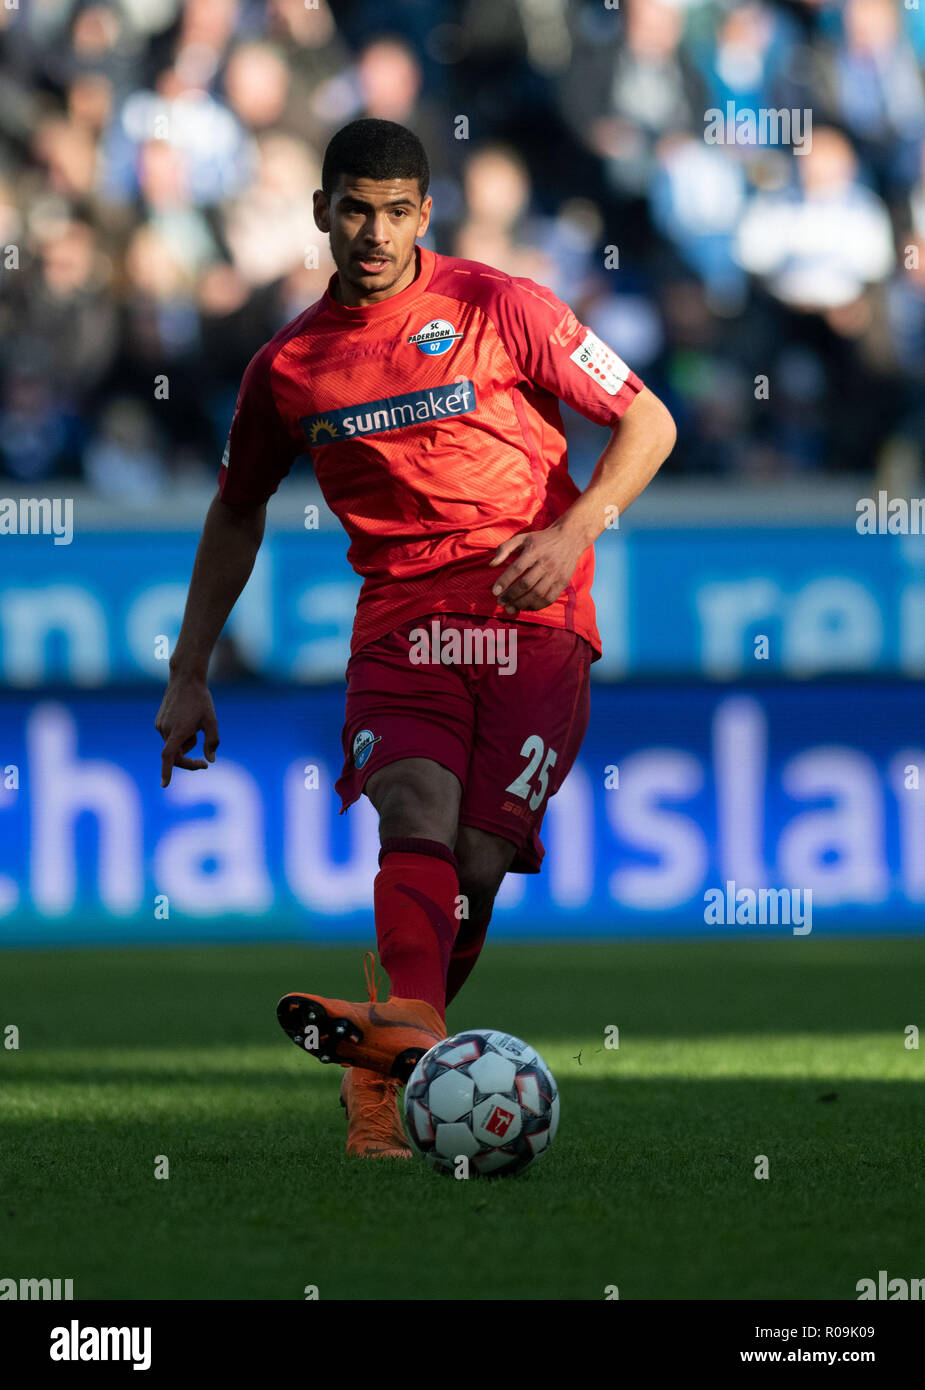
pixel 544 564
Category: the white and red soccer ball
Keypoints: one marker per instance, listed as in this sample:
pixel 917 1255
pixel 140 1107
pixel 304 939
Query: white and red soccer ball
pixel 485 1096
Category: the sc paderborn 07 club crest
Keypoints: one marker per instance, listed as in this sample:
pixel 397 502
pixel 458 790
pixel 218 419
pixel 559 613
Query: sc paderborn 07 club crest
pixel 363 746
pixel 435 337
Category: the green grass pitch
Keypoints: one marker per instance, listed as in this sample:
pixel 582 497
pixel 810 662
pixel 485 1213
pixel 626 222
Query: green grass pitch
pixel 791 1049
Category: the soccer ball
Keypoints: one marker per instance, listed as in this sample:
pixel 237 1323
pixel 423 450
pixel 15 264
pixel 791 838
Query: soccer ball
pixel 486 1095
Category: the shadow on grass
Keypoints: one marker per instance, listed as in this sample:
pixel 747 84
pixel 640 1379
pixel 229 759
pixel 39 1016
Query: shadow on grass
pixel 650 1184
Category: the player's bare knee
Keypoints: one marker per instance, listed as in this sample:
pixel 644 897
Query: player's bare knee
pixel 413 802
pixel 404 812
pixel 479 884
pixel 483 861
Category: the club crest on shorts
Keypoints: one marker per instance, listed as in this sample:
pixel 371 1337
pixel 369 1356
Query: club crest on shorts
pixel 363 746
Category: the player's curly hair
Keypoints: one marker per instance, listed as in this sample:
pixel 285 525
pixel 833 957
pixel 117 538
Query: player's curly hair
pixel 373 149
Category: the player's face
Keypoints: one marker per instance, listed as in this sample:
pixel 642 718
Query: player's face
pixel 372 225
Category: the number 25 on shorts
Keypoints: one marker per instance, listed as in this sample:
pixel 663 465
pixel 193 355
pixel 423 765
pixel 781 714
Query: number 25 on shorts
pixel 532 750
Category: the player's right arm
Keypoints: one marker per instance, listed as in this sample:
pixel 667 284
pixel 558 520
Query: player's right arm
pixel 225 558
pixel 258 456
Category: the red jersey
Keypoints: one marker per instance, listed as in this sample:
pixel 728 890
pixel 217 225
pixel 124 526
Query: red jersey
pixel 432 421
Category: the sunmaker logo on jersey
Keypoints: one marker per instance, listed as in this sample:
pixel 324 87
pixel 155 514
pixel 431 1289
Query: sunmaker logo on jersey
pixel 391 413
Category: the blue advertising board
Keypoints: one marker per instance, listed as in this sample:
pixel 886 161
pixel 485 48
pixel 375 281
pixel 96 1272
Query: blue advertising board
pixel 718 604
pixel 678 792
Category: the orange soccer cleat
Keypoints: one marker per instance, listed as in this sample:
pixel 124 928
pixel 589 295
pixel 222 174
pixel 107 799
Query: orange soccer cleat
pixel 374 1127
pixel 388 1038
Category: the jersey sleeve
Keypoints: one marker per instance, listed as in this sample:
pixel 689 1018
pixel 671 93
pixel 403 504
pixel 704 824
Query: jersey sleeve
pixel 259 451
pixel 556 352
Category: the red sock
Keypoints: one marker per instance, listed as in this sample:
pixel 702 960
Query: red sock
pixel 414 898
pixel 466 950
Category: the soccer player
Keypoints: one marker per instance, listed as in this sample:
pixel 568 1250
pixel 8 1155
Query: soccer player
pixel 426 390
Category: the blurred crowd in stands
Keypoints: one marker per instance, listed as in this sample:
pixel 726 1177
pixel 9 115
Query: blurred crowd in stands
pixel 157 163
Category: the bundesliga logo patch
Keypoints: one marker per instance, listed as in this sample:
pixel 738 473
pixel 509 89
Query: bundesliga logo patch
pixel 601 363
pixel 435 337
pixel 499 1121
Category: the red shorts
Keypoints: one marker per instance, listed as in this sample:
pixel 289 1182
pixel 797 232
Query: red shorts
pixel 505 709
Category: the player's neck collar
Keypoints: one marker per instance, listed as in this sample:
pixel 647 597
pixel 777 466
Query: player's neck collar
pixel 394 304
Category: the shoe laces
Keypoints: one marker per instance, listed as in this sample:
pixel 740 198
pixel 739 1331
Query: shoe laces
pixel 369 967
pixel 382 1124
pixel 380 1108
